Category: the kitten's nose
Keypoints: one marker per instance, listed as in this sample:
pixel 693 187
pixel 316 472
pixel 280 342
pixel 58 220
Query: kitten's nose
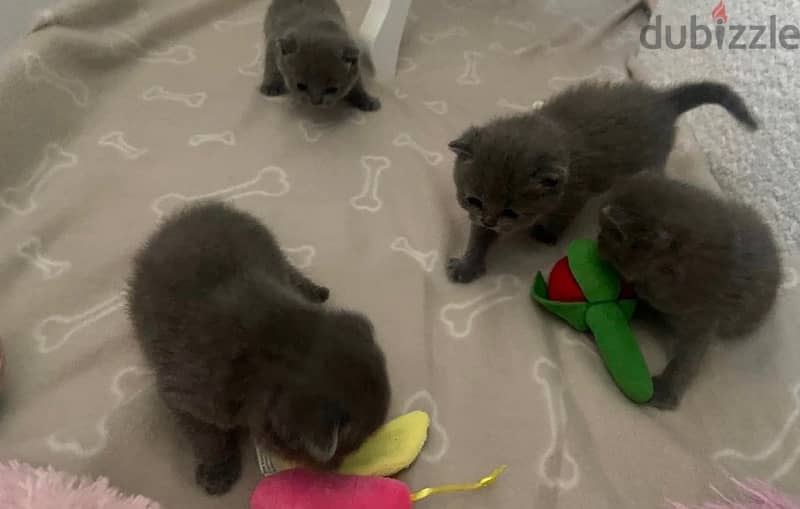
pixel 489 221
pixel 316 100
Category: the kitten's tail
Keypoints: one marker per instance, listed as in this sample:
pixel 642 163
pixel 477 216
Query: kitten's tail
pixel 691 95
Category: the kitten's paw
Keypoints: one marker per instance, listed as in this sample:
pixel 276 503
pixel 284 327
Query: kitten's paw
pixel 366 103
pixel 217 479
pixel 463 271
pixel 543 235
pixel 273 88
pixel 319 294
pixel 664 397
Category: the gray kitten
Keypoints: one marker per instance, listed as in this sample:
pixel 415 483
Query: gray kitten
pixel 238 340
pixel 536 170
pixel 709 265
pixel 311 54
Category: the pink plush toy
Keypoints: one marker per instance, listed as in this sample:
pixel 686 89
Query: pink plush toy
pixel 306 489
pixel 754 495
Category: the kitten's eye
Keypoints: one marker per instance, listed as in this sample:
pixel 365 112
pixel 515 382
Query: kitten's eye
pixel 302 87
pixel 331 90
pixel 475 202
pixel 509 214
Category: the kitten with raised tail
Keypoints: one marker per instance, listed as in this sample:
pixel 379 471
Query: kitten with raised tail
pixel 311 54
pixel 709 265
pixel 238 340
pixel 536 170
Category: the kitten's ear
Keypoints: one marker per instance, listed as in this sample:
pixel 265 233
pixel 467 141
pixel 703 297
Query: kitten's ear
pixel 462 146
pixel 350 54
pixel 287 44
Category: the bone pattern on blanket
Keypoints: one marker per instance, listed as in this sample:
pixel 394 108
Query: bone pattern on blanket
pixel 120 118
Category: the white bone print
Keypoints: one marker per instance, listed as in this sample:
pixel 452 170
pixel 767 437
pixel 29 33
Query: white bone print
pixel 269 182
pixel 56 330
pixel 21 199
pixel 368 199
pixel 224 137
pixel 302 256
pixel 459 317
pixel 498 47
pixel 557 467
pixel 426 260
pixel 400 94
pixel 159 93
pixel 33 252
pixel 777 459
pixel 790 279
pixel 470 76
pixel 433 38
pixel 604 72
pixel 405 64
pixel 225 25
pixel 117 141
pixel 437 439
pixel 525 26
pixel 36 71
pixel 255 66
pixel 405 140
pixel 126 386
pixel 438 106
pixel 179 54
pixel 313 131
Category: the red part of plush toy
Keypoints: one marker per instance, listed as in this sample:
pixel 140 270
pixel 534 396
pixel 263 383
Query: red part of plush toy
pixel 563 287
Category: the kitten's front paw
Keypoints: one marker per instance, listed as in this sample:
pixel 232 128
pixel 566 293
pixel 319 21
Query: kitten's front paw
pixel 664 397
pixel 367 103
pixel 543 235
pixel 217 479
pixel 273 88
pixel 460 270
pixel 320 294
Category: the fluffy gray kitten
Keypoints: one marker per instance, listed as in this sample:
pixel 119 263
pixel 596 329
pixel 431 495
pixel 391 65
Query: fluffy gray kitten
pixel 710 266
pixel 536 170
pixel 311 54
pixel 238 340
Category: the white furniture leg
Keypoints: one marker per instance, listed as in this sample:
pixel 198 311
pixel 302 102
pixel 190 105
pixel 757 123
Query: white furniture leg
pixel 382 31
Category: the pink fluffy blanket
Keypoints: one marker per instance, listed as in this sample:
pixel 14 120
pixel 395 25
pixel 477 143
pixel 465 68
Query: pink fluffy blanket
pixel 25 487
pixel 754 495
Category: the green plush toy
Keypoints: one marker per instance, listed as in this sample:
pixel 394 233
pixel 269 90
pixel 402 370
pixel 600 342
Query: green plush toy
pixel 587 293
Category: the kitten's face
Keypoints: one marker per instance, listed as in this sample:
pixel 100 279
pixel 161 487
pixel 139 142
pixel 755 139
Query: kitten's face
pixel 320 72
pixel 505 179
pixel 340 398
pixel 637 245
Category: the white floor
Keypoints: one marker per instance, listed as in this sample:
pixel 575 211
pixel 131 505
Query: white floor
pixel 15 19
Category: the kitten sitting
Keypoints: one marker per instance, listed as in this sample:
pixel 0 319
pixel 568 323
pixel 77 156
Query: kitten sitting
pixel 709 265
pixel 536 170
pixel 238 339
pixel 311 54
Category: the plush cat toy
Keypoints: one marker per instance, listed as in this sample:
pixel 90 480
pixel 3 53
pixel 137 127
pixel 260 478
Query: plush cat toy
pixel 359 484
pixel 587 293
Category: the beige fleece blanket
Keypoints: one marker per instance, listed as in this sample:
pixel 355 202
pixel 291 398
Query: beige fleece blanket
pixel 115 112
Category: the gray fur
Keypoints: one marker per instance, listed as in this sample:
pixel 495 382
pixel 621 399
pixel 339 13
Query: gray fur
pixel 709 265
pixel 238 340
pixel 311 54
pixel 536 170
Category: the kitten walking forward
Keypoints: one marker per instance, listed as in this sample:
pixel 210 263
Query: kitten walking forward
pixel 238 339
pixel 536 170
pixel 311 54
pixel 709 265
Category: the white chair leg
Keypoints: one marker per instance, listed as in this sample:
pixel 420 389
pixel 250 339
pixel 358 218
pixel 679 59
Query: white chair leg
pixel 382 31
